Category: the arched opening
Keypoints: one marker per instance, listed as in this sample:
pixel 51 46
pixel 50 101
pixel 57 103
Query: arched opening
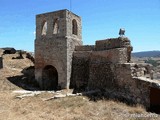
pixel 74 27
pixel 49 78
pixel 56 26
pixel 44 28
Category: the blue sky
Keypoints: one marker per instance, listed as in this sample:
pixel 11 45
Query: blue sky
pixel 101 19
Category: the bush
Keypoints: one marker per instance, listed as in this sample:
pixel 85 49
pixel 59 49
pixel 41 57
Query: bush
pixel 152 62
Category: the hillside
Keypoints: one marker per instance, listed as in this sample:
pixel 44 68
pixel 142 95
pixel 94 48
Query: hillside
pixel 146 54
pixel 69 108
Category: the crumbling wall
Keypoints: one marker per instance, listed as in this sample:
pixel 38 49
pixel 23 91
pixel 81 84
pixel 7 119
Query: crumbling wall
pixel 141 70
pixel 55 43
pixel 85 48
pixel 112 43
pixel 84 61
pixel 92 62
pixel 80 70
pixel 118 55
pixel 129 87
pixel 118 83
pixel 120 80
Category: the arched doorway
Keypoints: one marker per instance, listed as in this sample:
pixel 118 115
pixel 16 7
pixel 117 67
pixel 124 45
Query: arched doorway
pixel 49 78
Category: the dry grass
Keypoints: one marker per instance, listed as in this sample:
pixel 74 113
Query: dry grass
pixel 69 108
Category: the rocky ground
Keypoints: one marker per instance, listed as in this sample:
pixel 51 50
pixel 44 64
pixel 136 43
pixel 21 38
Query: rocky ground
pixel 39 106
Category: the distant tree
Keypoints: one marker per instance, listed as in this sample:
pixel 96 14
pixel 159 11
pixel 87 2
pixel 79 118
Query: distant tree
pixel 152 62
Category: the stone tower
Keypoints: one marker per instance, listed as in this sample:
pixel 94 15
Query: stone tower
pixel 57 34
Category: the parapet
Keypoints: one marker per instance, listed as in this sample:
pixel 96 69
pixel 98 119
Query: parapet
pixel 115 50
pixel 112 43
pixel 85 48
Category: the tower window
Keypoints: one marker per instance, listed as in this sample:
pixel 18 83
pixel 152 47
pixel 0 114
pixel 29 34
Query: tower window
pixel 74 27
pixel 44 28
pixel 56 26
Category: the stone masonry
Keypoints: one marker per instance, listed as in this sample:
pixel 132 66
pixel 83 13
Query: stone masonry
pixel 57 34
pixel 106 66
pixel 61 61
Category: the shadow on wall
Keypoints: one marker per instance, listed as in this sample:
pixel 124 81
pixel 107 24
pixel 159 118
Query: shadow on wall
pixel 102 94
pixel 27 80
pixel 155 100
pixel 49 78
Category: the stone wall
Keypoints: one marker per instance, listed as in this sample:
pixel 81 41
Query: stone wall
pixel 118 55
pixel 85 48
pixel 141 70
pixel 44 56
pixel 112 43
pixel 128 87
pixel 55 48
pixel 80 70
pixel 118 83
pixel 71 43
pixel 106 67
pixel 84 60
pixel 88 56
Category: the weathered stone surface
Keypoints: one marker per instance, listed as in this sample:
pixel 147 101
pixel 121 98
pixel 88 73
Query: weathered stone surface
pixel 117 55
pixel 141 70
pixel 55 49
pixel 112 43
pixel 117 80
pixel 80 70
pixel 85 48
pixel 104 66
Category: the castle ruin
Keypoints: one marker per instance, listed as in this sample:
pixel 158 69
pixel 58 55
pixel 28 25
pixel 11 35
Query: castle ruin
pixel 57 34
pixel 61 61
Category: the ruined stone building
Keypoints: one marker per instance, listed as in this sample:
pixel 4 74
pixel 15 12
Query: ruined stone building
pixel 57 34
pixel 9 50
pixel 61 61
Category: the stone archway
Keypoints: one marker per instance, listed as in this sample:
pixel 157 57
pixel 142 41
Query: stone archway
pixel 49 78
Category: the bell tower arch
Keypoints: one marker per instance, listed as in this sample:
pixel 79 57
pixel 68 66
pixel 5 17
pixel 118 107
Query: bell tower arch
pixel 57 34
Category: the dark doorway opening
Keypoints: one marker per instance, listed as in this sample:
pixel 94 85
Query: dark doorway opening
pixel 155 100
pixel 49 78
